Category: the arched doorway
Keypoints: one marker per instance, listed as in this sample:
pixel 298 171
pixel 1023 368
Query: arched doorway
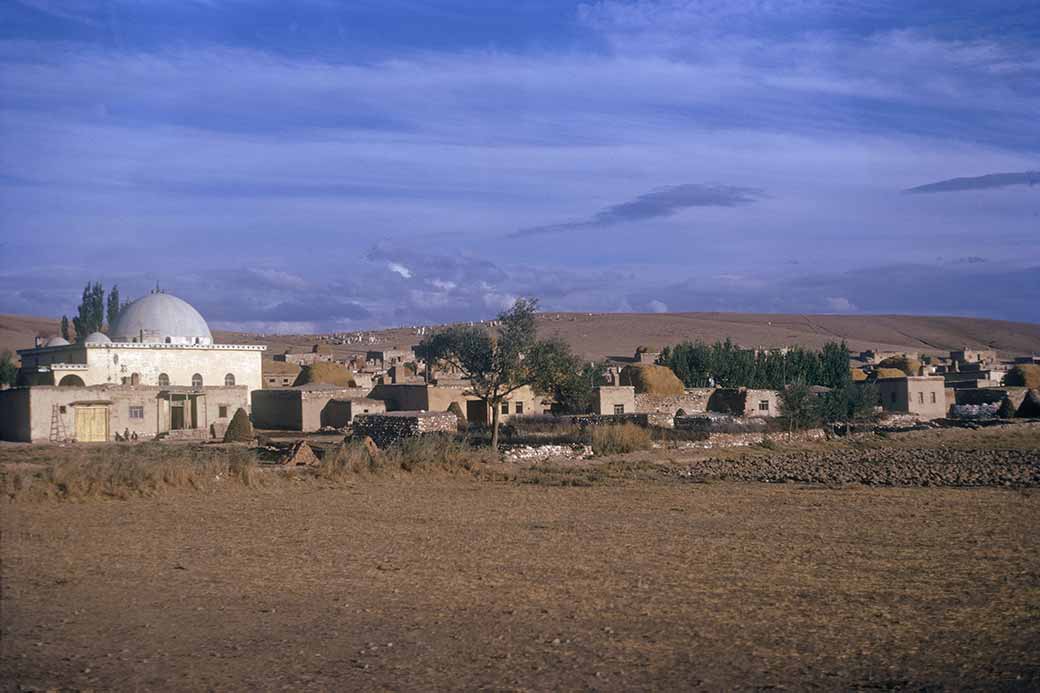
pixel 71 381
pixel 135 378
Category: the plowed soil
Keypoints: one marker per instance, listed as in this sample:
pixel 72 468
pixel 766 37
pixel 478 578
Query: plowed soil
pixel 427 584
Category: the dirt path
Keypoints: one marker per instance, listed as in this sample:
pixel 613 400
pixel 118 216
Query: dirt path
pixel 434 584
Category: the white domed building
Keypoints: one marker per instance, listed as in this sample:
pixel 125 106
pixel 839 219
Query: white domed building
pixel 156 372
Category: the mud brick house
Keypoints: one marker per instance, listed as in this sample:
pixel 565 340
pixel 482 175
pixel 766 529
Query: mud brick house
pixel 923 395
pixel 95 414
pixel 309 408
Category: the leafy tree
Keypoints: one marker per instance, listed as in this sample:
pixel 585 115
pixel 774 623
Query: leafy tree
pixel 848 403
pixel 113 306
pixel 576 390
pixel 91 310
pixel 8 369
pixel 725 364
pixel 66 330
pixel 798 407
pixel 498 364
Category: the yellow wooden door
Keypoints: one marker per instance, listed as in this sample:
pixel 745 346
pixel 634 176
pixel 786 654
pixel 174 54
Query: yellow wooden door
pixel 91 424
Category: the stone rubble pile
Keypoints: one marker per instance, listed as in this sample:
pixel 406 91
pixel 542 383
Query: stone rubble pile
pixel 880 467
pixel 529 453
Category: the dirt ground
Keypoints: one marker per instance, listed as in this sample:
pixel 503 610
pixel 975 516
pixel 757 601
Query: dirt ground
pixel 424 584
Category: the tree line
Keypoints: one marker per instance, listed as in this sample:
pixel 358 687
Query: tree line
pixel 724 364
pixel 93 313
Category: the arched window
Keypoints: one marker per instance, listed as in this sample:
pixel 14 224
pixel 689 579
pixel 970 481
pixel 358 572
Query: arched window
pixel 135 378
pixel 164 380
pixel 229 380
pixel 196 380
pixel 169 340
pixel 71 381
pixel 115 359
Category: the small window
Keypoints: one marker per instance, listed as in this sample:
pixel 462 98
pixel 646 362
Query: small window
pixel 933 398
pixel 136 412
pixel 168 340
pixel 920 398
pixel 164 380
pixel 62 409
pixel 505 407
pixel 135 378
pixel 763 405
pixel 222 411
pixel 619 409
pixel 115 359
pixel 196 380
pixel 229 380
pixel 519 408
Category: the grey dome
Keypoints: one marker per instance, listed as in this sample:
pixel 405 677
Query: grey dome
pixel 97 338
pixel 56 341
pixel 161 318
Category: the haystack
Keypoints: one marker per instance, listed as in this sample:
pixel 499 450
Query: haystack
pixel 651 379
pixel 909 366
pixel 301 455
pixel 326 374
pixel 887 373
pixel 858 376
pixel 1024 375
pixel 239 430
pixel 1030 407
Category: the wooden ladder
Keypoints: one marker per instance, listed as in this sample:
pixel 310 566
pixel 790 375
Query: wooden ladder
pixel 58 433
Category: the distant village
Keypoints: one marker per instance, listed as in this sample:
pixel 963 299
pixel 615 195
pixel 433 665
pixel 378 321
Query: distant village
pixel 155 372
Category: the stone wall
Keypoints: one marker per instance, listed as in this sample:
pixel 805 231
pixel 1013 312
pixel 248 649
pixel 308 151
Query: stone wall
pixel 989 395
pixel 386 429
pixel 693 400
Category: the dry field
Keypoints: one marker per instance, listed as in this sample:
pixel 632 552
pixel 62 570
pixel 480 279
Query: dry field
pixel 426 581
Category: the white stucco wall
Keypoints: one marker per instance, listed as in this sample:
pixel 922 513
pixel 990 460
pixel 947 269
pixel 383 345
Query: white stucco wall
pixel 112 363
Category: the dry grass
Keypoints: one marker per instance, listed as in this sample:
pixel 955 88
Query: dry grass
pixel 619 439
pixel 422 455
pixel 125 472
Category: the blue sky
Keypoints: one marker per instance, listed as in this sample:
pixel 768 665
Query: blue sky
pixel 325 165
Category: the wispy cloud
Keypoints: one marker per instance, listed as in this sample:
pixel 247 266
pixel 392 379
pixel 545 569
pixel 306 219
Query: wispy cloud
pixel 656 204
pixel 992 180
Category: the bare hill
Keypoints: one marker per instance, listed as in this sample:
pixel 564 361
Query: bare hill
pixel 20 331
pixel 596 335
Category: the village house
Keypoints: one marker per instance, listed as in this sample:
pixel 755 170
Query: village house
pixel 614 400
pixel 157 373
pixel 309 408
pixel 157 340
pixel 279 373
pixel 319 353
pixel 437 398
pixel 923 396
pixel 98 413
